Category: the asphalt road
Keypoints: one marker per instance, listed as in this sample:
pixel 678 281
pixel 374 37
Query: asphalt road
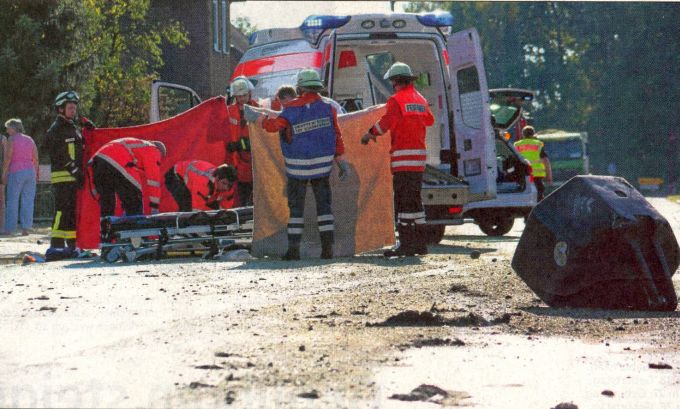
pixel 309 334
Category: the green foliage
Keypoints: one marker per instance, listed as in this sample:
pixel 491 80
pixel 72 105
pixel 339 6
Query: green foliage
pixel 129 53
pixel 605 68
pixel 244 26
pixel 106 50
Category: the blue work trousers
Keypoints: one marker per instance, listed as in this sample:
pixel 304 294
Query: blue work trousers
pixel 297 189
pixel 20 199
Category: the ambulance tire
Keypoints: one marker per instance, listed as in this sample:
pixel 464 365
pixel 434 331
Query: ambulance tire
pixel 434 233
pixel 495 225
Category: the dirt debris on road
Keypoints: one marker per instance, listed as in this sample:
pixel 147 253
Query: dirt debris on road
pixel 266 333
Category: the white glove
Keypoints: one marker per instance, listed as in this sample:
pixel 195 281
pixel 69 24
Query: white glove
pixel 343 170
pixel 250 114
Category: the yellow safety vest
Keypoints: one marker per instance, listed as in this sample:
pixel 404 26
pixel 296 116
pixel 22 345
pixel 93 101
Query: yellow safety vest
pixel 531 149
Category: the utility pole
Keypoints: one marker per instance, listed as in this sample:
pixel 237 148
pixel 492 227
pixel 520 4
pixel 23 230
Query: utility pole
pixel 392 4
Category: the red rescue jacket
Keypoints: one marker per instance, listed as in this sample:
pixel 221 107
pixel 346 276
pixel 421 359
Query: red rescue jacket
pixel 198 178
pixel 238 145
pixel 407 116
pixel 139 162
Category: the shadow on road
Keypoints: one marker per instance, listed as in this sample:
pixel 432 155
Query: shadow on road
pixel 482 239
pixel 598 314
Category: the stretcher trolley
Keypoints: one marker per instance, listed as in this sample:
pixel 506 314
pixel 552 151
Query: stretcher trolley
pixel 131 238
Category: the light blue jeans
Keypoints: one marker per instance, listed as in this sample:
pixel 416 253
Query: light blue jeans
pixel 20 189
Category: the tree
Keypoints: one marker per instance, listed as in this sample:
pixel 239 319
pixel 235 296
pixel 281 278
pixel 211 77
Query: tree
pixel 129 54
pixel 244 26
pixel 44 50
pixel 106 50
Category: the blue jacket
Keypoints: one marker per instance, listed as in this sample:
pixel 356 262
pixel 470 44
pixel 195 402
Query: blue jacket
pixel 312 149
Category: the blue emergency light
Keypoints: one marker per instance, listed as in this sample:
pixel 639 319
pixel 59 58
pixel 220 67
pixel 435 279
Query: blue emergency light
pixel 436 19
pixel 323 22
pixel 314 26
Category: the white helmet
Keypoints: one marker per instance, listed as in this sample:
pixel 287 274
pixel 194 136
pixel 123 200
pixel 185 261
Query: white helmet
pixel 241 86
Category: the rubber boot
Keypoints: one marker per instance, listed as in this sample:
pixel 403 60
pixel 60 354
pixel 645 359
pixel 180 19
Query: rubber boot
pixel 293 253
pixel 405 247
pixel 419 240
pixel 71 243
pixel 326 245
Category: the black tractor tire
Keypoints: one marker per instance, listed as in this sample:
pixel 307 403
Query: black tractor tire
pixel 434 233
pixel 495 225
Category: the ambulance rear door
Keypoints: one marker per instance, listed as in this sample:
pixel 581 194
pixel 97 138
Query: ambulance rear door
pixel 473 133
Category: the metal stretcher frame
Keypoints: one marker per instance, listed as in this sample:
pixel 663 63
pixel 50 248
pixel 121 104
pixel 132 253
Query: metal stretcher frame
pixel 134 237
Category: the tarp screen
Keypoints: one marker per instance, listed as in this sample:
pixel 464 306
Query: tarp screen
pixel 199 133
pixel 362 205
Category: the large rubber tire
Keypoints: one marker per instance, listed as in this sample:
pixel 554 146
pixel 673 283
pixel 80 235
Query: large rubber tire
pixel 434 233
pixel 495 225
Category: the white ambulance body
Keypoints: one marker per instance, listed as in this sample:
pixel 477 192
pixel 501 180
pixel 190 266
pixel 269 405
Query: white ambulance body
pixel 352 53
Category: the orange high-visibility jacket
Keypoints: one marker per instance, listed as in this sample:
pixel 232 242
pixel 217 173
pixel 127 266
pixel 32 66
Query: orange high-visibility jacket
pixel 139 162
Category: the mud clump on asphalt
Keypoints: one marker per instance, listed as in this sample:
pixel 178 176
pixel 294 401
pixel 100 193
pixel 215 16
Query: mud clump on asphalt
pixel 607 392
pixel 660 365
pixel 412 318
pixel 565 405
pixel 313 394
pixel 209 367
pixel 196 385
pixel 432 342
pixel 433 394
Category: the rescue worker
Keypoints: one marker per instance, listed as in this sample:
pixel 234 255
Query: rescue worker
pixel 407 117
pixel 531 148
pixel 130 169
pixel 311 142
pixel 239 140
pixel 199 185
pixel 64 145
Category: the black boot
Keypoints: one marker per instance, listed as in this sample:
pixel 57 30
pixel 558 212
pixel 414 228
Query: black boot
pixel 293 253
pixel 400 251
pixel 419 240
pixel 326 245
pixel 405 246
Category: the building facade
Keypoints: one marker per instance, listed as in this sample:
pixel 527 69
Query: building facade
pixel 215 47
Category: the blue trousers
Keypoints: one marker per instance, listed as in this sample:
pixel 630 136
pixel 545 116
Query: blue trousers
pixel 297 189
pixel 20 199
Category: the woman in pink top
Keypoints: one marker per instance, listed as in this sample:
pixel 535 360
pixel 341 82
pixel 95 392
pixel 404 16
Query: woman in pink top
pixel 19 173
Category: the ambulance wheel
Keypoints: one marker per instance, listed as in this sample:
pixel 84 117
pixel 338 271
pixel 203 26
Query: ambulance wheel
pixel 434 233
pixel 495 225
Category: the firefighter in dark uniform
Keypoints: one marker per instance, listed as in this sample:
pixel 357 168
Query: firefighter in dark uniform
pixel 64 144
pixel 128 168
pixel 407 117
pixel 198 185
pixel 312 141
pixel 239 139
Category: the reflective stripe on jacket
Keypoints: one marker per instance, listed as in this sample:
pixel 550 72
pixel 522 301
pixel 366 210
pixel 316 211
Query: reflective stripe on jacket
pixel 310 153
pixel 407 117
pixel 238 132
pixel 64 144
pixel 197 176
pixel 139 162
pixel 531 149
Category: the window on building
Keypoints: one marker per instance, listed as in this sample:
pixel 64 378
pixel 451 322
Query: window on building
pixel 220 18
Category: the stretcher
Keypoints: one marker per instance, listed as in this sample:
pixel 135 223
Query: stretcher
pixel 132 238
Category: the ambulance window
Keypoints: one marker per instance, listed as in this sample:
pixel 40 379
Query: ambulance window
pixel 380 63
pixel 470 97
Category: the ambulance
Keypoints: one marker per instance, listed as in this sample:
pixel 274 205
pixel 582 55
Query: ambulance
pixel 352 54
